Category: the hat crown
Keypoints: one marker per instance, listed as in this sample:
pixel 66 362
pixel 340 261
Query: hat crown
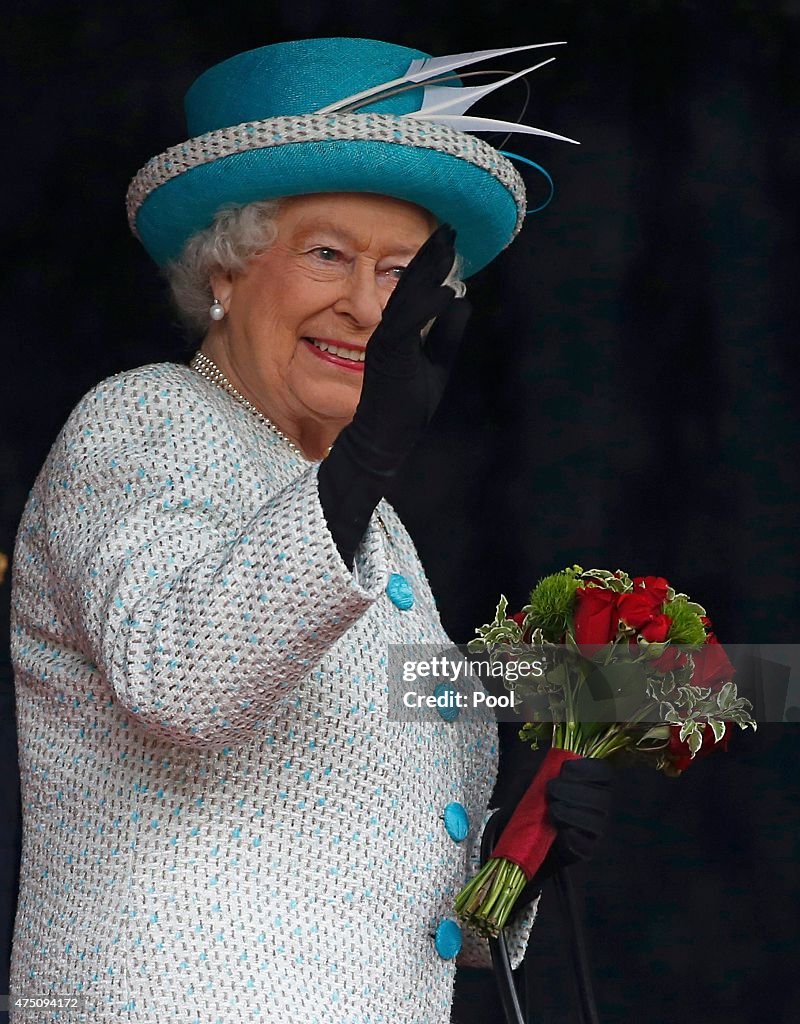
pixel 298 77
pixel 330 115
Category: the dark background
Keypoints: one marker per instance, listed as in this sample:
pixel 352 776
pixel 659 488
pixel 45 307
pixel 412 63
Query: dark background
pixel 627 395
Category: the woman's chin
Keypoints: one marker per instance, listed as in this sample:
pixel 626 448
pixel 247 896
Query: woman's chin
pixel 330 396
pixel 330 406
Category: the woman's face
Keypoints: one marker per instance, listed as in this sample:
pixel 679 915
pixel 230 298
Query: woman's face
pixel 299 317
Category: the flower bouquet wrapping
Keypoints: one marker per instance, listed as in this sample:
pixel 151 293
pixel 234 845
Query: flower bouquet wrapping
pixel 618 663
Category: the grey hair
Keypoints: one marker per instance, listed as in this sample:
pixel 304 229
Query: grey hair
pixel 235 236
pixel 453 279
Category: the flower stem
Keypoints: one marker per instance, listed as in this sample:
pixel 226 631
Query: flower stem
pixel 491 913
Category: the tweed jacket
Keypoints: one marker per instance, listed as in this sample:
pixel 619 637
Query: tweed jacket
pixel 221 822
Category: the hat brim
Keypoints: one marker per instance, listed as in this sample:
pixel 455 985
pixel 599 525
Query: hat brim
pixel 482 209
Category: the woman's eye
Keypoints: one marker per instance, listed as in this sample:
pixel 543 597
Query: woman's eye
pixel 326 254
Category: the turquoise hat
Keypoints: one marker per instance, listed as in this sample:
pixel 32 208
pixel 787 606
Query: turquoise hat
pixel 333 115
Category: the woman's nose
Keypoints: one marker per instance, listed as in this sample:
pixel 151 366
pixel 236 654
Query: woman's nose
pixel 361 297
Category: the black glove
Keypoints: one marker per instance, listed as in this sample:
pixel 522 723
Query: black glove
pixel 404 379
pixel 578 801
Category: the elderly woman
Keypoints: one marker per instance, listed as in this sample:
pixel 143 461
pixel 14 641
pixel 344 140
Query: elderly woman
pixel 221 820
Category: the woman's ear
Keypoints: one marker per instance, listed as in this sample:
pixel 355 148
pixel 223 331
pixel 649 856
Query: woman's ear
pixel 221 284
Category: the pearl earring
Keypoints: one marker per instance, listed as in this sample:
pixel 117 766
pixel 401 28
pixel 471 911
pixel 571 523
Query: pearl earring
pixel 216 310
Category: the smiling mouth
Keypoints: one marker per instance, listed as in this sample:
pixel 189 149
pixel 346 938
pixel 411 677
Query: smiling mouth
pixel 350 354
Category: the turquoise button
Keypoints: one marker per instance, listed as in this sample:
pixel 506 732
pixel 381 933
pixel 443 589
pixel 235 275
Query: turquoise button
pixel 447 939
pixel 456 821
pixel 448 710
pixel 399 591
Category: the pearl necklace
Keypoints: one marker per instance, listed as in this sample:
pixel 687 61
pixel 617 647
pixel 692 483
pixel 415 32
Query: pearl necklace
pixel 209 370
pixel 212 373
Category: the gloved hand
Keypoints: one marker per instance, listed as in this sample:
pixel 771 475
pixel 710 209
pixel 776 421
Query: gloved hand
pixel 404 379
pixel 578 801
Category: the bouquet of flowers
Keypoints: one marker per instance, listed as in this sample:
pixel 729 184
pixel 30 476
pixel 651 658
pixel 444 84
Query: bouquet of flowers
pixel 622 664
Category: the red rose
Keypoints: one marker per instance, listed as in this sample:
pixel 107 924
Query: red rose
pixel 655 586
pixel 638 608
pixel 672 659
pixel 678 752
pixel 711 665
pixel 655 631
pixel 595 616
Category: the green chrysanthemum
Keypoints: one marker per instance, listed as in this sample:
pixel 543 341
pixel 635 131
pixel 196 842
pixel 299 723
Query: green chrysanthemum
pixel 551 604
pixel 687 628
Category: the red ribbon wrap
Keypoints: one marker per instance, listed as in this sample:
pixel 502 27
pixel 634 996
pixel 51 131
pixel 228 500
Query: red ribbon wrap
pixel 530 832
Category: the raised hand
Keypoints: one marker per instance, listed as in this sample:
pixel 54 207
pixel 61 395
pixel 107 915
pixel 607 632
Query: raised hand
pixel 404 379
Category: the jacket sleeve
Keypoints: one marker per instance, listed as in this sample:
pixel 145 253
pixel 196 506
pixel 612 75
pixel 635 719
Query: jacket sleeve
pixel 200 616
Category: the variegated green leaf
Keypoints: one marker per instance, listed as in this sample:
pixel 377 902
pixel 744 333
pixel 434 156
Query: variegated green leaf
pixel 658 732
pixel 726 695
pixel 653 650
pixel 689 729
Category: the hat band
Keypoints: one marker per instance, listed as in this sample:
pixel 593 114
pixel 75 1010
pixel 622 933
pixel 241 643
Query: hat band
pixel 281 131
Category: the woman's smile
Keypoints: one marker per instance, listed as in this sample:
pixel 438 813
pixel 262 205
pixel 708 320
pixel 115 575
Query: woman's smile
pixel 339 353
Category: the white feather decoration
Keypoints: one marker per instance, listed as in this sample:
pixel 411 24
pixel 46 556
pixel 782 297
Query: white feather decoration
pixel 468 123
pixel 452 100
pixel 425 68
